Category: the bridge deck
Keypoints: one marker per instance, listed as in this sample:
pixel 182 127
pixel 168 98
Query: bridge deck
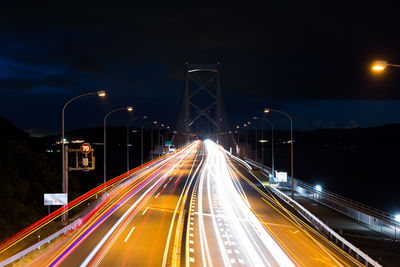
pixel 382 249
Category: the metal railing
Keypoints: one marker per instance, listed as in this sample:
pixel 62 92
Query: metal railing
pixel 374 219
pixel 346 245
pixel 48 239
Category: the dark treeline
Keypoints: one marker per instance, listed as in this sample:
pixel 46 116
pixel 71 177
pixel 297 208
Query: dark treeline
pixel 26 174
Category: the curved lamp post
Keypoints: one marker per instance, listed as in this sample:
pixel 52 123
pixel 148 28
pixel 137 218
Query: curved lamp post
pixel 128 108
pixel 64 169
pixel 272 144
pixel 266 111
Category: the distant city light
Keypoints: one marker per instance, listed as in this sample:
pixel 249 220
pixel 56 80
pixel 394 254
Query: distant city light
pixel 397 217
pixel 318 188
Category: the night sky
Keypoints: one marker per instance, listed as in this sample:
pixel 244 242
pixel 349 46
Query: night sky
pixel 309 59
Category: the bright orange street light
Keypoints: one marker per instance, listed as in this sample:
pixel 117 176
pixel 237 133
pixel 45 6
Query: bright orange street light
pixel 381 65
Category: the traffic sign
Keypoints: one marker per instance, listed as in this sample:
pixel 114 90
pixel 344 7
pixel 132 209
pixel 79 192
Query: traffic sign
pixel 85 148
pixel 168 143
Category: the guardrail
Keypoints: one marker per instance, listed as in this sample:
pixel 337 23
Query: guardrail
pixel 320 226
pixel 372 218
pixel 48 239
pixel 346 245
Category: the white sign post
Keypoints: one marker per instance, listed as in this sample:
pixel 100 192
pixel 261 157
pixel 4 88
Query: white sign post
pixel 281 176
pixel 55 199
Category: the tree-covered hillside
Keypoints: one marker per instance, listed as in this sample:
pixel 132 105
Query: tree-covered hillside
pixel 25 175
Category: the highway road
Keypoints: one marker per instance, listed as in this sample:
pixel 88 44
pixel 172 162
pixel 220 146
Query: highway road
pixel 197 207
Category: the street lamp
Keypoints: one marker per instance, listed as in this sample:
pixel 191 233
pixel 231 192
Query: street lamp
pixel 381 65
pixel 64 169
pixel 141 138
pixel 272 144
pixel 128 108
pixel 266 111
pixel 127 140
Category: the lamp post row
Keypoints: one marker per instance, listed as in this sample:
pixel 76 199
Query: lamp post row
pixel 64 163
pixel 266 111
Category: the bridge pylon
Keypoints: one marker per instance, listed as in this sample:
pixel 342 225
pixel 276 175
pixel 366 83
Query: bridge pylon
pixel 203 112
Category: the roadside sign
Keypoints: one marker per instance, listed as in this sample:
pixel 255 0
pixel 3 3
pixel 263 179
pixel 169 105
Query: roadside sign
pixel 168 143
pixel 281 176
pixel 85 148
pixel 56 199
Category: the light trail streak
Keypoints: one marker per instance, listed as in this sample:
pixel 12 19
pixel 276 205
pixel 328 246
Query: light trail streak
pixel 175 258
pixel 147 193
pixel 301 226
pixel 247 233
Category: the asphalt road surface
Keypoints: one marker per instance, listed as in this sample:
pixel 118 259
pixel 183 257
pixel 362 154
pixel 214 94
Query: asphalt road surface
pixel 196 207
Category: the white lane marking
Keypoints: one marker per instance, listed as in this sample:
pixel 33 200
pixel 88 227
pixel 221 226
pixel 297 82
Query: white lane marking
pixel 130 232
pixel 191 259
pixel 191 250
pixel 157 195
pixel 145 210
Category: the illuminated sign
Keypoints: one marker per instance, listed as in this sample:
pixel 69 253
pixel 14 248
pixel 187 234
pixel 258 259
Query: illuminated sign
pixel 85 148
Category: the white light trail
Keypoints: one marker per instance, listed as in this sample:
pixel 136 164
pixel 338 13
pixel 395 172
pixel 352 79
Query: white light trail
pixel 256 246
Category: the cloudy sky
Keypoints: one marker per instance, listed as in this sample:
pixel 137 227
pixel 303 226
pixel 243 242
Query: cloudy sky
pixel 310 59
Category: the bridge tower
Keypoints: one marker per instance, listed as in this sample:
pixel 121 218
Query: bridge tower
pixel 203 109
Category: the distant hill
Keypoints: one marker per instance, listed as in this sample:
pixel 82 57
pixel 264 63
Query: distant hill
pixel 25 175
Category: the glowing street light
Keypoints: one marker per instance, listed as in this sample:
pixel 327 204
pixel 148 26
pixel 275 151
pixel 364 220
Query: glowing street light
pixel 381 65
pixel 101 93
